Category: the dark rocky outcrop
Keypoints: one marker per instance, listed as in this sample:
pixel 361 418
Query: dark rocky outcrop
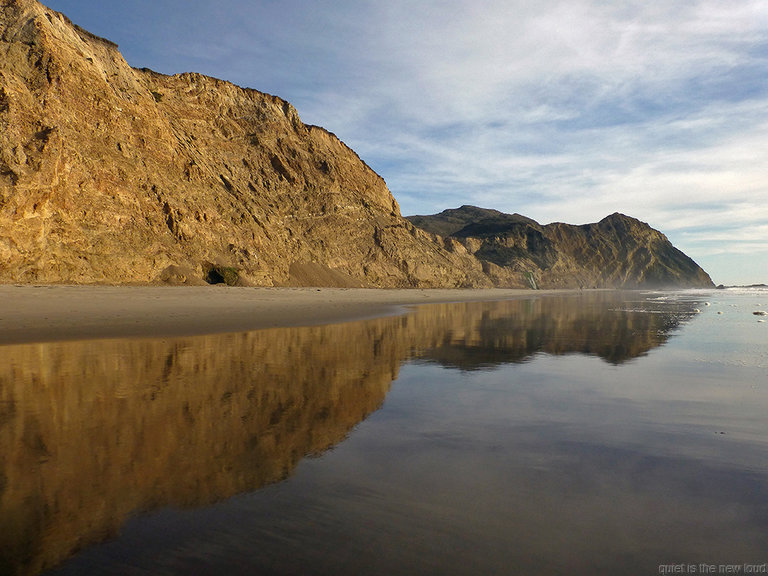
pixel 618 251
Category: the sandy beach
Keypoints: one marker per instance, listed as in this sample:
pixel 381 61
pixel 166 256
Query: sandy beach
pixel 50 313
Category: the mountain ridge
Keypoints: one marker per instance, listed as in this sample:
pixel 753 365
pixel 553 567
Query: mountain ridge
pixel 618 251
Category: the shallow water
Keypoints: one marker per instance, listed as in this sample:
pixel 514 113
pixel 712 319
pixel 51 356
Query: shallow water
pixel 601 433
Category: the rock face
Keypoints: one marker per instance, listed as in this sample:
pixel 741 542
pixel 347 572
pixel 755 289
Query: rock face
pixel 110 174
pixel 618 251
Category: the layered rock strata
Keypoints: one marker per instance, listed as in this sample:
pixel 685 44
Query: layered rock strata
pixel 110 174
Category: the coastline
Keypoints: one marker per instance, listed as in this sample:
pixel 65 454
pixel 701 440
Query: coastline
pixel 47 313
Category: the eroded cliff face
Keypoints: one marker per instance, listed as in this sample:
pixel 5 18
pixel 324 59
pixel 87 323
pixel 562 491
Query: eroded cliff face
pixel 617 252
pixel 110 174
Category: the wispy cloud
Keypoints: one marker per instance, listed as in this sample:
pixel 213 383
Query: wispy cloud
pixel 559 109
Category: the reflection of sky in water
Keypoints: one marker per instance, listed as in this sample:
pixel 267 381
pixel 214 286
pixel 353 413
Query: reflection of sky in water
pixel 591 442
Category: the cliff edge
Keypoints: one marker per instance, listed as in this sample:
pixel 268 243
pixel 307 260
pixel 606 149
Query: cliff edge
pixel 111 174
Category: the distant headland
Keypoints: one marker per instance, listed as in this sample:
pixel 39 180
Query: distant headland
pixel 116 175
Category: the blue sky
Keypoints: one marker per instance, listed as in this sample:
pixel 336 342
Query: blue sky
pixel 561 110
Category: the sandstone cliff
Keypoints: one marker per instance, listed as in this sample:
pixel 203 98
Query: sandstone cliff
pixel 618 251
pixel 110 174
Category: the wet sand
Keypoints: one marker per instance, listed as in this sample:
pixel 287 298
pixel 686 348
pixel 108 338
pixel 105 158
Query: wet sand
pixel 50 313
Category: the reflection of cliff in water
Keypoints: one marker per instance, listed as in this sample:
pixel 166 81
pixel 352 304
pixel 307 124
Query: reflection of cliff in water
pixel 615 326
pixel 92 432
